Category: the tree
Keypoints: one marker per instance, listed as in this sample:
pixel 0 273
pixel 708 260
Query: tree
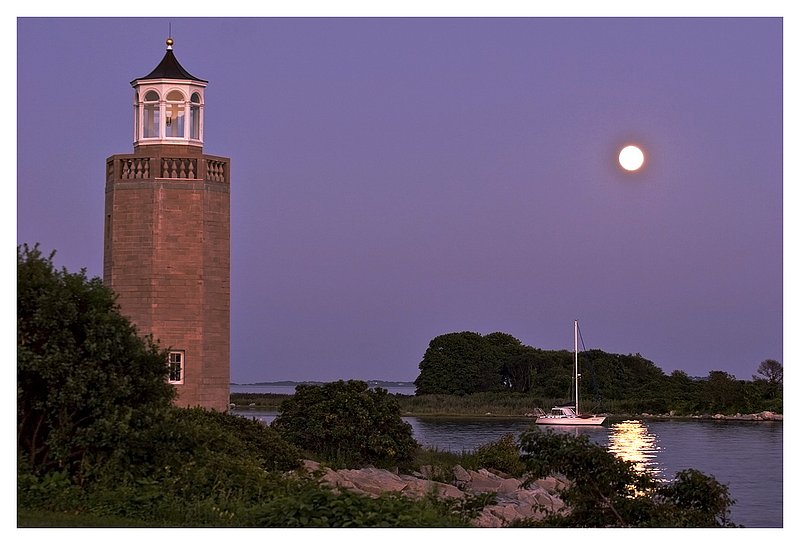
pixel 459 363
pixel 84 377
pixel 347 423
pixel 769 384
pixel 721 392
pixel 771 371
pixel 605 491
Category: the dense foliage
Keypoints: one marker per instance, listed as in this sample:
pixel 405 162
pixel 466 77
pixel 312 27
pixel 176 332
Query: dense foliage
pixel 606 491
pixel 84 378
pixel 467 364
pixel 500 455
pixel 98 438
pixel 100 443
pixel 347 423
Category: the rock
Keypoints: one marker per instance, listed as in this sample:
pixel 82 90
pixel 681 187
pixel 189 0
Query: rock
pixel 461 474
pixel 513 502
pixel 373 481
pixel 506 513
pixel 550 484
pixel 487 520
pixel 508 485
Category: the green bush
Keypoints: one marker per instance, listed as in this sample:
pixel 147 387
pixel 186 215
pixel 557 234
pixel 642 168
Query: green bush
pixel 304 504
pixel 606 491
pixel 502 455
pixel 347 424
pixel 84 378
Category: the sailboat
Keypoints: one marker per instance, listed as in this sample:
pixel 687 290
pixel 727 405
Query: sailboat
pixel 567 415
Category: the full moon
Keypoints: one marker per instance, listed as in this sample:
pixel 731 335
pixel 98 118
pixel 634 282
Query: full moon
pixel 631 158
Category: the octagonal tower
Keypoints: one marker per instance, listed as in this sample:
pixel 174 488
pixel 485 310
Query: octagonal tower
pixel 167 234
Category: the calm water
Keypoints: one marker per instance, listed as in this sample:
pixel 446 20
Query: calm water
pixel 746 456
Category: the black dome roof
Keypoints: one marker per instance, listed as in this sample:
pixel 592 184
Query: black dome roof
pixel 170 68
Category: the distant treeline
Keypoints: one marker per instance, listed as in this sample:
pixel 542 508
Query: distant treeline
pixel 468 363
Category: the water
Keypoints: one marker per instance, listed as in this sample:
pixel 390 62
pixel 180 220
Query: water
pixel 746 456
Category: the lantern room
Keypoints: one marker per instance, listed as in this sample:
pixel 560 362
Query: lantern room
pixel 168 105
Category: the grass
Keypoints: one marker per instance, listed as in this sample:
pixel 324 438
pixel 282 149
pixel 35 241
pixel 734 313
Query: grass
pixel 33 518
pixel 261 401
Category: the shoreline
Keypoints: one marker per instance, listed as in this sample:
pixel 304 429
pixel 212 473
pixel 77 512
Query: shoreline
pixel 764 416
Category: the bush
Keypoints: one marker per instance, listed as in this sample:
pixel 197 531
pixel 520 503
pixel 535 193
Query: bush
pixel 347 424
pixel 502 455
pixel 606 491
pixel 198 453
pixel 189 467
pixel 84 378
pixel 304 504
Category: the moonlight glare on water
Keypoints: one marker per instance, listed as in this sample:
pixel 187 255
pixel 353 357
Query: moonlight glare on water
pixel 633 442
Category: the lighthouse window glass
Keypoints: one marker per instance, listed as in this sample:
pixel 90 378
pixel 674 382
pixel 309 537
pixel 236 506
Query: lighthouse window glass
pixel 175 114
pixel 176 367
pixel 152 118
pixel 194 120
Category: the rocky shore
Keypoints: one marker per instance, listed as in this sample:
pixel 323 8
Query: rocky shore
pixel 513 500
pixel 762 416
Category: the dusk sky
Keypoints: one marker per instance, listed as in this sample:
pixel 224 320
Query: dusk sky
pixel 395 179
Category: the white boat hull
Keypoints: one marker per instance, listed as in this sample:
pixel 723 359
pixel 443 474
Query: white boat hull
pixel 571 421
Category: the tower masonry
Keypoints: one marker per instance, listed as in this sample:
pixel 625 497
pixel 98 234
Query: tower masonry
pixel 167 234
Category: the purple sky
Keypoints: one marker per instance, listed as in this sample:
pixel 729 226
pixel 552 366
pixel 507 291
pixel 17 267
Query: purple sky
pixel 397 179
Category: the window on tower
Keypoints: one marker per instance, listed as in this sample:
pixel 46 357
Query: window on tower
pixel 176 366
pixel 152 118
pixel 194 120
pixel 175 114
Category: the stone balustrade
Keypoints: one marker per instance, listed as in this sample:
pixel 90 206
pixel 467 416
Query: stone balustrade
pixel 136 167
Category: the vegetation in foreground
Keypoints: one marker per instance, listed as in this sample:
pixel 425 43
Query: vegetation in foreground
pixel 100 444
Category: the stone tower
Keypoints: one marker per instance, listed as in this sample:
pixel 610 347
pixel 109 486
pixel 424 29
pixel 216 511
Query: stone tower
pixel 167 234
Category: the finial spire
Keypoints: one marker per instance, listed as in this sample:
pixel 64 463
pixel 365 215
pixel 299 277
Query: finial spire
pixel 170 41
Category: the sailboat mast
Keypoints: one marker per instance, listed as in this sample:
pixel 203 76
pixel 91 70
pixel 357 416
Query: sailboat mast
pixel 576 368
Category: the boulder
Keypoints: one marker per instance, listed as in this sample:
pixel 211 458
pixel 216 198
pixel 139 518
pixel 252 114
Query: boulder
pixel 513 500
pixel 550 484
pixel 461 474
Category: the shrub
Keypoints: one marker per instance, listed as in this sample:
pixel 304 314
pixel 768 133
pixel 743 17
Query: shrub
pixel 304 504
pixel 84 378
pixel 502 455
pixel 347 424
pixel 187 467
pixel 606 491
pixel 197 453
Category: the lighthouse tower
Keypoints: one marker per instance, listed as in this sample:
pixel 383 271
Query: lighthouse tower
pixel 167 234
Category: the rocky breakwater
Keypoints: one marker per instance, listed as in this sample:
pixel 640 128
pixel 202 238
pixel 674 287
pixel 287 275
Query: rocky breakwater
pixel 513 501
pixel 764 415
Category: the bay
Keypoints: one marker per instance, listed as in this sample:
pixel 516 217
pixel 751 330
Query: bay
pixel 745 456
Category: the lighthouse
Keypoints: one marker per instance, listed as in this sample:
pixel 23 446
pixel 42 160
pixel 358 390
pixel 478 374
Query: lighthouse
pixel 167 233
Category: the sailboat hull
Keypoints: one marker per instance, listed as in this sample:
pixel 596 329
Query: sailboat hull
pixel 571 420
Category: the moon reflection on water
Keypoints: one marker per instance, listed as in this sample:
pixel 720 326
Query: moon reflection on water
pixel 631 441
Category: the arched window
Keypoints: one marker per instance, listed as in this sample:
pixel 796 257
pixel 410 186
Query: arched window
pixel 175 114
pixel 151 115
pixel 194 122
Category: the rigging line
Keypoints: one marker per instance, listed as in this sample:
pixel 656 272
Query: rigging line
pixel 580 336
pixel 598 395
